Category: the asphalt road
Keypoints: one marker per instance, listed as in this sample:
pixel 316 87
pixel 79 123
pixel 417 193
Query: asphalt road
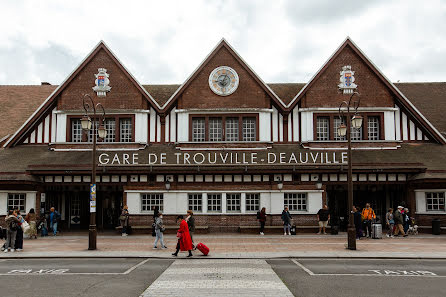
pixel 303 277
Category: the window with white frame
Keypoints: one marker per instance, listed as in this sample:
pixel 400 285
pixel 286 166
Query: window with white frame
pixel 195 202
pixel 16 201
pixel 90 132
pixel 252 202
pixel 110 127
pixel 435 201
pixel 198 129
pixel 322 128
pixel 249 129
pixel 215 129
pixel 295 201
pixel 232 129
pixel 214 202
pixel 125 130
pixel 373 128
pixel 356 134
pixel 233 202
pixel 76 130
pixel 336 123
pixel 150 201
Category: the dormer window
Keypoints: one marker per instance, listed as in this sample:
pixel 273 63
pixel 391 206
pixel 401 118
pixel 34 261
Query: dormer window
pixel 216 128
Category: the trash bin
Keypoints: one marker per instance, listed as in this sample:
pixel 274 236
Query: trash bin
pixel 436 224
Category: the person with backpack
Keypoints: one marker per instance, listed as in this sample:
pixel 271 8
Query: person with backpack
pixel 12 225
pixel 368 215
pixel 54 219
pixel 286 218
pixel 261 216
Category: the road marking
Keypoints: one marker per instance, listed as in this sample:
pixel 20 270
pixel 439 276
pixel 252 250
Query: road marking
pixel 136 266
pixel 303 267
pixel 65 271
pixel 377 272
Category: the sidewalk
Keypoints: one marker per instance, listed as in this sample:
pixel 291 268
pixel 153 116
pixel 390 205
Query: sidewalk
pixel 231 245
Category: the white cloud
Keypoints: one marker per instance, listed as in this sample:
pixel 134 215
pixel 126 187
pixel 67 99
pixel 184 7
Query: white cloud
pixel 164 41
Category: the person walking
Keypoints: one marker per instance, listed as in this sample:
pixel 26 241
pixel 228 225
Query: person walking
pixel 398 218
pixel 261 216
pixel 124 220
pixel 12 225
pixel 184 241
pixel 159 230
pixel 31 218
pixel 54 220
pixel 191 225
pixel 19 235
pixel 286 218
pixel 368 215
pixel 323 216
pixel 390 222
pixel 357 220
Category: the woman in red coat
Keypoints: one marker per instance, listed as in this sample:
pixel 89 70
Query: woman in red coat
pixel 184 240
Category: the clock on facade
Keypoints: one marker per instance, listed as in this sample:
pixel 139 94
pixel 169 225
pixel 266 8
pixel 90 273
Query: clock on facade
pixel 223 80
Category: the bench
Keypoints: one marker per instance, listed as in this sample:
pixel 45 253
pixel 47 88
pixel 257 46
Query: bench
pixel 170 229
pixel 279 229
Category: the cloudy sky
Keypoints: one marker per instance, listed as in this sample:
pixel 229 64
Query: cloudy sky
pixel 164 41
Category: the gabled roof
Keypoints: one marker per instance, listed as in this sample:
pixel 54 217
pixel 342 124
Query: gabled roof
pixel 222 43
pixel 43 108
pixel 398 94
pixel 161 93
pixel 18 103
pixel 286 91
pixel 429 98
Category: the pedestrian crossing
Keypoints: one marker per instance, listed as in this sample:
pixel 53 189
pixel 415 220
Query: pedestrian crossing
pixel 215 277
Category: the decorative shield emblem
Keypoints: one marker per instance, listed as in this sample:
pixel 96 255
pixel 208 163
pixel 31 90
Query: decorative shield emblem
pixel 347 80
pixel 102 82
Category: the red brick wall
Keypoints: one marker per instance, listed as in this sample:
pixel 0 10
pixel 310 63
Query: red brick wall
pixel 248 94
pixel 123 94
pixel 324 92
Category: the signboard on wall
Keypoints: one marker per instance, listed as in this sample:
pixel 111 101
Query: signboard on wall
pixel 92 197
pixel 224 158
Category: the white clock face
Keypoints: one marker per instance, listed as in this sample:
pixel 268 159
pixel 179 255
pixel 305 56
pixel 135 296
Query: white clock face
pixel 223 81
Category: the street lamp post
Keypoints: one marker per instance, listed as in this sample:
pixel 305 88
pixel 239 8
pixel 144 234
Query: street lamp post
pixel 345 130
pixel 87 125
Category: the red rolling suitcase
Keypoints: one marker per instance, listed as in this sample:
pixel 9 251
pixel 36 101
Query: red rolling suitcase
pixel 202 248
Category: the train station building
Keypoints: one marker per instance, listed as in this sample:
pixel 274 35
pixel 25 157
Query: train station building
pixel 223 144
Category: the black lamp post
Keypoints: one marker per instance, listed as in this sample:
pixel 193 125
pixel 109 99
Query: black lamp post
pixel 354 122
pixel 102 133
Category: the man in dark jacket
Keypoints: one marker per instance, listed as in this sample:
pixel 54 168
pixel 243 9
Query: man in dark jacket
pixel 286 218
pixel 12 225
pixel 357 219
pixel 398 218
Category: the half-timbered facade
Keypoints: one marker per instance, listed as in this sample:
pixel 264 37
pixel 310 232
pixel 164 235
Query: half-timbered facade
pixel 224 144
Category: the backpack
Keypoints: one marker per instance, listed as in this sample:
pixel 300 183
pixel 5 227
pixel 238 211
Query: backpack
pixel 13 226
pixel 258 215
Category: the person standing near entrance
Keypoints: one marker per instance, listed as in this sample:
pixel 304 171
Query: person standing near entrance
pixel 286 218
pixel 184 241
pixel 12 225
pixel 390 222
pixel 32 221
pixel 398 218
pixel 357 220
pixel 323 216
pixel 54 219
pixel 261 216
pixel 368 215
pixel 124 220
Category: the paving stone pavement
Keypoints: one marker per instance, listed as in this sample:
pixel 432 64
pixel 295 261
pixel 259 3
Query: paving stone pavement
pixel 210 278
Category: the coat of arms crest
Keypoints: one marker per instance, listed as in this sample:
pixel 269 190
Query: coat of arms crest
pixel 102 82
pixel 347 80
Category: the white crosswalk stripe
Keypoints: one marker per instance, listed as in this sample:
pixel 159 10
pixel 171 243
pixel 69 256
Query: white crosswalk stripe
pixel 218 278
